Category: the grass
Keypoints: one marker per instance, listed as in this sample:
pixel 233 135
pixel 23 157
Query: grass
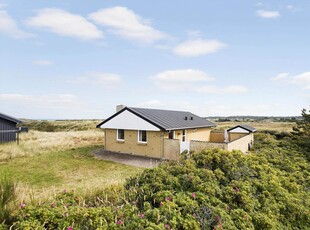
pixel 43 175
pixel 45 163
pixel 60 125
pixel 260 125
pixel 35 142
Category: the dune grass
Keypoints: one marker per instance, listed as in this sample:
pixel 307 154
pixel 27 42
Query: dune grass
pixel 60 125
pixel 260 125
pixel 45 163
pixel 41 176
pixel 35 142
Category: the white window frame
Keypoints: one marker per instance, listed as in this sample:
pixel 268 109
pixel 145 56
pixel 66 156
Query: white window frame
pixel 144 142
pixel 117 137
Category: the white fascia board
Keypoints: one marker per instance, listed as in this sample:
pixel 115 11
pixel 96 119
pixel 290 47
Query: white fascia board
pixel 239 130
pixel 128 120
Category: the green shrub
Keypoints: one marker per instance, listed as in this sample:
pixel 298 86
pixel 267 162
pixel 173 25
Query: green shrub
pixel 213 189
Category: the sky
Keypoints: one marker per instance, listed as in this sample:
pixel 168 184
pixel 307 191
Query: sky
pixel 78 59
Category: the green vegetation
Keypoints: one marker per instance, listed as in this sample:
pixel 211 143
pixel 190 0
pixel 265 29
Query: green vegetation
pixel 35 143
pixel 75 169
pixel 302 132
pixel 7 198
pixel 72 167
pixel 60 125
pixel 259 125
pixel 214 189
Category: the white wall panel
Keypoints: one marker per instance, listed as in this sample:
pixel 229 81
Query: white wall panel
pixel 128 120
pixel 239 130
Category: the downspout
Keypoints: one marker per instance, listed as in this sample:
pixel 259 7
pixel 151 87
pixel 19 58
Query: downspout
pixel 105 139
pixel 162 135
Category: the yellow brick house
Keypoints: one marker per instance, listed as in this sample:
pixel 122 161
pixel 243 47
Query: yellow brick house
pixel 155 132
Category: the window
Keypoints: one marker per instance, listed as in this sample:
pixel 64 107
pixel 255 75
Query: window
pixel 171 135
pixel 120 135
pixel 142 136
pixel 184 135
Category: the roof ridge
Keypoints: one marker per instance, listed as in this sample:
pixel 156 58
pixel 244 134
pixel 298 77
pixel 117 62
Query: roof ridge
pixel 130 107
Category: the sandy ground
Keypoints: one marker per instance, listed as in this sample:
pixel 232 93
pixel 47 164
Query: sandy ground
pixel 127 159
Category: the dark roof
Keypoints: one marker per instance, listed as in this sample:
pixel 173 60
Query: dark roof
pixel 246 127
pixel 166 119
pixel 9 118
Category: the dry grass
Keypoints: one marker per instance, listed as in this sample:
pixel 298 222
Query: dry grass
pixel 46 163
pixel 35 142
pixel 60 125
pixel 260 126
pixel 40 177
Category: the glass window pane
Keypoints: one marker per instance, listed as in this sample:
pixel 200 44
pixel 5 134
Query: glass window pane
pixel 142 136
pixel 120 134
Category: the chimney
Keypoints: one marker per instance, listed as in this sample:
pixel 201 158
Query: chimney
pixel 120 107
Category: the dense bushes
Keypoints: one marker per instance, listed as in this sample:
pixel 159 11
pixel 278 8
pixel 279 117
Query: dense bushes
pixel 214 189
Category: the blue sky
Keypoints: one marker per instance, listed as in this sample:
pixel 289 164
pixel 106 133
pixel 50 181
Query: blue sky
pixel 78 59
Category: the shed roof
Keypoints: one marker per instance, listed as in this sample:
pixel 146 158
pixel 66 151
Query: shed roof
pixel 166 119
pixel 9 118
pixel 246 127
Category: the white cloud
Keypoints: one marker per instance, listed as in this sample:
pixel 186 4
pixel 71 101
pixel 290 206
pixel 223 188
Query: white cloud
pixel 48 106
pixel 258 4
pixel 280 77
pixel 194 33
pixel 191 81
pixel 151 103
pixel 44 101
pixel 108 80
pixel 42 62
pixel 9 27
pixel 179 79
pixel 197 47
pixel 292 8
pixel 64 23
pixel 267 14
pixel 225 89
pixel 302 79
pixel 220 108
pixel 127 24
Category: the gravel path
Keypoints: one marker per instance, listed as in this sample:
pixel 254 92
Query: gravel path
pixel 127 159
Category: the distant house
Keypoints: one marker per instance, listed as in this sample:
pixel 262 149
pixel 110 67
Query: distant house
pixel 240 131
pixel 8 129
pixel 161 133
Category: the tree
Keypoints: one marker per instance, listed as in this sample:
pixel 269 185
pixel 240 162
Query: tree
pixel 302 132
pixel 302 127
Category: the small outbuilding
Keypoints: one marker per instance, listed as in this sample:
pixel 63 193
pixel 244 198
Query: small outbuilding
pixel 240 131
pixel 8 129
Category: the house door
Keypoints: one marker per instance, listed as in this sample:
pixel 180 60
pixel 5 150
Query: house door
pixel 184 144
